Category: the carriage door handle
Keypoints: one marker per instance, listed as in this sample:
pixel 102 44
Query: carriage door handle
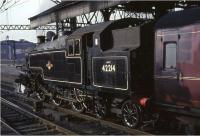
pixel 179 76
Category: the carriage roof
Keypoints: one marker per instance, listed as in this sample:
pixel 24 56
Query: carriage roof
pixel 179 18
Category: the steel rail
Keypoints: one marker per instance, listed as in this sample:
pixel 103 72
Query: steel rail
pixel 9 127
pixel 102 122
pixel 59 128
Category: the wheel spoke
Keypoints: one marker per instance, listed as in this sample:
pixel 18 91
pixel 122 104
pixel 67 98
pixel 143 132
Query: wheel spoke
pixel 133 117
pixel 125 110
pixel 133 113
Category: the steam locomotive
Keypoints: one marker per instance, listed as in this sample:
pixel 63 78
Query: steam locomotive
pixel 128 67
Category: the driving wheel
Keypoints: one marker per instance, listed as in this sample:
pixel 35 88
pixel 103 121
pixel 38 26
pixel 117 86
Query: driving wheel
pixel 131 114
pixel 77 105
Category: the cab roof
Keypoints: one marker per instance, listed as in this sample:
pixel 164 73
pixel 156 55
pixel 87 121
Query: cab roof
pixel 100 27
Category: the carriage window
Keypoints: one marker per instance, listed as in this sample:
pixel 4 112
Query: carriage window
pixel 170 56
pixel 77 47
pixel 70 48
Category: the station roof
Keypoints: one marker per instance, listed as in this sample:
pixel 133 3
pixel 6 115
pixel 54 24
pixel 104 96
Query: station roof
pixel 68 9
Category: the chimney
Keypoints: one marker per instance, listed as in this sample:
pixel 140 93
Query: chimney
pixel 40 39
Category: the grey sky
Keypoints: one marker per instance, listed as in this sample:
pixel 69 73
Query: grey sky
pixel 19 14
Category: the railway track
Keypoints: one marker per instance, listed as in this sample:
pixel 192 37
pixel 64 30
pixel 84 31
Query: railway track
pixel 106 127
pixel 93 120
pixel 22 122
pixel 6 129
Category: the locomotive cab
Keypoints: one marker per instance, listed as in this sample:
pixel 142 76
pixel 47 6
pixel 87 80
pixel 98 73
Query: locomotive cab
pixel 118 65
pixel 109 50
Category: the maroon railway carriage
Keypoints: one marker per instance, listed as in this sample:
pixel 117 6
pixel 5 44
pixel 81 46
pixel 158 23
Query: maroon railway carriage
pixel 177 62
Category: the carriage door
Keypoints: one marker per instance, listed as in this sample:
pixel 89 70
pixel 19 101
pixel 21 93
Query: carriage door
pixel 169 72
pixel 167 85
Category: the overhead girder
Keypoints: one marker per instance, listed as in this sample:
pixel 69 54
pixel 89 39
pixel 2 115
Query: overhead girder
pixel 68 10
pixel 106 13
pixel 56 1
pixel 26 27
pixel 159 8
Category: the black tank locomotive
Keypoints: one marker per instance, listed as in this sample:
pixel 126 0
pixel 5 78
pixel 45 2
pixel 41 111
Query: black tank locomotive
pixel 106 67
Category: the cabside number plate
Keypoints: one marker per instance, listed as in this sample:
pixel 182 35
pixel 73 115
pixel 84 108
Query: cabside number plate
pixel 108 68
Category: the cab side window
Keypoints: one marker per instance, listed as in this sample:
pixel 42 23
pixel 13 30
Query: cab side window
pixel 170 55
pixel 71 47
pixel 77 49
